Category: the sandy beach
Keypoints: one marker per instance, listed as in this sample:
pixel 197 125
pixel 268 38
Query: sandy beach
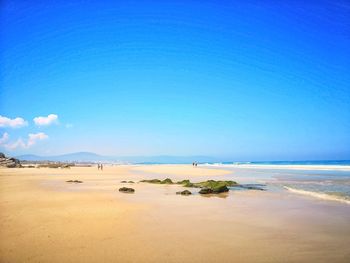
pixel 46 219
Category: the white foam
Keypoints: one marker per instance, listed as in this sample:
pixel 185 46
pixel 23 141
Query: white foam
pixel 323 196
pixel 289 167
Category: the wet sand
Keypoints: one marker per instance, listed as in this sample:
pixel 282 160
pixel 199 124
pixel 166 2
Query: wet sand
pixel 45 219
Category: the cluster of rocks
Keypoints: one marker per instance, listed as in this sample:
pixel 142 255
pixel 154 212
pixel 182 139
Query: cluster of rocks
pixel 206 187
pixel 9 162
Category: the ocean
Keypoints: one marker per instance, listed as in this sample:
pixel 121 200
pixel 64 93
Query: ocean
pixel 326 180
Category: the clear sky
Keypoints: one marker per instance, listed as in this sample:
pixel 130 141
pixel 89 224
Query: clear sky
pixel 241 80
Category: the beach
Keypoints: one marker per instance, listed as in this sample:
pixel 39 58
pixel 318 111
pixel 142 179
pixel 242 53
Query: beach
pixel 46 219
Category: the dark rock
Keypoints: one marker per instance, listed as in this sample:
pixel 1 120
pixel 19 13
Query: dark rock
pixel 130 182
pixel 185 192
pixel 258 187
pixel 123 182
pixel 74 181
pixel 220 189
pixel 126 190
pixel 205 191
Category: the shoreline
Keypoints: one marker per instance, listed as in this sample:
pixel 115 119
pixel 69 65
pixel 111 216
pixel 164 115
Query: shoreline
pixel 318 195
pixel 329 167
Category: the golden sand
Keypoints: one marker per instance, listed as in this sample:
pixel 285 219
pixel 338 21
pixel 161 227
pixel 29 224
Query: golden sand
pixel 45 219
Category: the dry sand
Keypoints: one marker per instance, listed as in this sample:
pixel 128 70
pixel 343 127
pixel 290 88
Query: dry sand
pixel 45 219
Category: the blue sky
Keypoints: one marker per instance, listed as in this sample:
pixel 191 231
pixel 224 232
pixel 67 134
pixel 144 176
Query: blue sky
pixel 240 80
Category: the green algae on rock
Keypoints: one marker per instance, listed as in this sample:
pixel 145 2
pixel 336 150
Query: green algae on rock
pixel 157 181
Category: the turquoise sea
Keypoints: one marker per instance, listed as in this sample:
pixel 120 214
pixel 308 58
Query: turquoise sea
pixel 327 180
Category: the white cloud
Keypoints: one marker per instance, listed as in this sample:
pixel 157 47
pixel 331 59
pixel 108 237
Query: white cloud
pixel 32 139
pixel 13 123
pixel 17 144
pixel 4 138
pixel 45 121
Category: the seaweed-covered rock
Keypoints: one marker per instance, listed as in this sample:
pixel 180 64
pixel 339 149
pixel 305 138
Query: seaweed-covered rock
pixel 157 181
pixel 214 184
pixel 208 187
pixel 74 181
pixel 152 181
pixel 130 182
pixel 220 189
pixel 126 190
pixel 123 182
pixel 185 192
pixel 189 184
pixel 215 189
pixel 167 181
pixel 183 181
pixel 205 191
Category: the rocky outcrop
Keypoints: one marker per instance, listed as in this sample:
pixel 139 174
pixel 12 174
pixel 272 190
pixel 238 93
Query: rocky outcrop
pixel 9 162
pixel 126 190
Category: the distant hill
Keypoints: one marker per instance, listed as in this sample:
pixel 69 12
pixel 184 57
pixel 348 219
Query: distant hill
pixel 93 157
pixel 166 159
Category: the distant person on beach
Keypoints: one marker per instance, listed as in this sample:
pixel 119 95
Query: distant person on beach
pixel 101 167
pixel 98 166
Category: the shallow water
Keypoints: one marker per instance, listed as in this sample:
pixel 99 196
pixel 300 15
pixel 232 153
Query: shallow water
pixel 333 185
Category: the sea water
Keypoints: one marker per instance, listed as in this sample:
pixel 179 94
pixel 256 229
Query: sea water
pixel 328 180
